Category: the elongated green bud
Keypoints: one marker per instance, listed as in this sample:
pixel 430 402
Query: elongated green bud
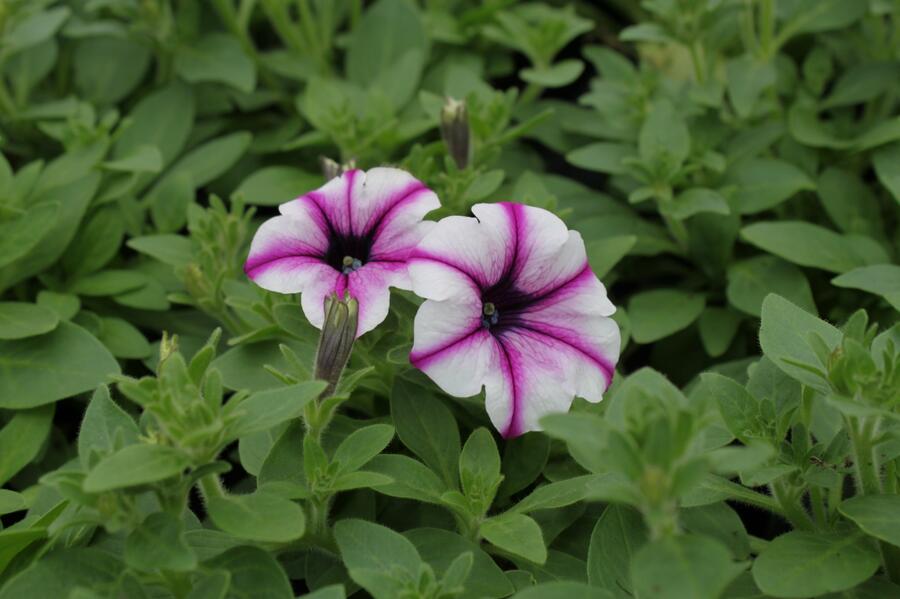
pixel 336 340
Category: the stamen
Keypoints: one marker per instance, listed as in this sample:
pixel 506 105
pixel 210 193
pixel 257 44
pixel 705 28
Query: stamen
pixel 350 264
pixel 490 315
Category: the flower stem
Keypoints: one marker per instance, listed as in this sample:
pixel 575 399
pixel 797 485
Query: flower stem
pixel 793 509
pixel 865 465
pixel 211 486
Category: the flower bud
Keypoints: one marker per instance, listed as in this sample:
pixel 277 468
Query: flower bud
pixel 336 341
pixel 332 169
pixel 455 131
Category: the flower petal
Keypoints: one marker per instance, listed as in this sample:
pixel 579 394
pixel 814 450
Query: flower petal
pixel 546 371
pixel 331 205
pixel 389 208
pixel 282 247
pixel 454 349
pixel 370 286
pixel 477 250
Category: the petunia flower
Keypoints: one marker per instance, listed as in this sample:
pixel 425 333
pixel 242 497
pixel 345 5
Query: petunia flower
pixel 350 237
pixel 512 306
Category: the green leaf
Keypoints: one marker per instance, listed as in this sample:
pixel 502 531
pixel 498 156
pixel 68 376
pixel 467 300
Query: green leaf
pixel 876 515
pixel 108 282
pixel 72 192
pixel 849 202
pixel 618 535
pixel 19 236
pixel 210 585
pixel 440 547
pixel 427 428
pixel 361 446
pixel 260 516
pixel 368 546
pixel 603 157
pixel 162 119
pixel 763 183
pixel 750 281
pixel 659 313
pixel 19 320
pixel 747 78
pixel 880 279
pixel 123 339
pixel 517 534
pixel 107 69
pixel 141 159
pixel 96 243
pixel 411 479
pixel 524 458
pixel 484 185
pixel 208 161
pixel 174 250
pixel 682 566
pixel 335 591
pixel 784 338
pixel 860 84
pixel 557 75
pixel 694 201
pixel 479 466
pixel 807 244
pixel 275 185
pixel 390 35
pixel 44 369
pixel 243 367
pixel 556 494
pixel 59 572
pixel 885 161
pixel 816 16
pixel 216 58
pixel 718 327
pixel 11 502
pixel 254 573
pixel 805 564
pixel 169 201
pixel 561 589
pixel 104 425
pixel 740 410
pixel 266 409
pixel 158 544
pixel 33 29
pixel 135 465
pixel 664 141
pixel 22 438
pixel 63 304
pixel 718 521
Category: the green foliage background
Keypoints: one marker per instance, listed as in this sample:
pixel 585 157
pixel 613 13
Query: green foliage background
pixel 733 165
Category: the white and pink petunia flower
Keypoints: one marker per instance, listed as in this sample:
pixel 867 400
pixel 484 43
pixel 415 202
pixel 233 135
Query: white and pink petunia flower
pixel 512 306
pixel 353 235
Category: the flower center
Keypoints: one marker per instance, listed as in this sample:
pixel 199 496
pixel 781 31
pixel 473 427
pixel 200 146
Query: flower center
pixel 347 254
pixel 502 305
pixel 350 264
pixel 489 315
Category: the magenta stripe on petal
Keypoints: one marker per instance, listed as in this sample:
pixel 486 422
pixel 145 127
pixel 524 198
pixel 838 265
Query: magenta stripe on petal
pixel 567 337
pixel 259 264
pixel 515 426
pixel 420 254
pixel 423 359
pixel 407 196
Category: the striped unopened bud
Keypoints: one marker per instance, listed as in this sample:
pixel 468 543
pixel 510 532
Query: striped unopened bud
pixel 336 341
pixel 455 131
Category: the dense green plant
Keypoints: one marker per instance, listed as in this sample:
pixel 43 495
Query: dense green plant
pixel 733 166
